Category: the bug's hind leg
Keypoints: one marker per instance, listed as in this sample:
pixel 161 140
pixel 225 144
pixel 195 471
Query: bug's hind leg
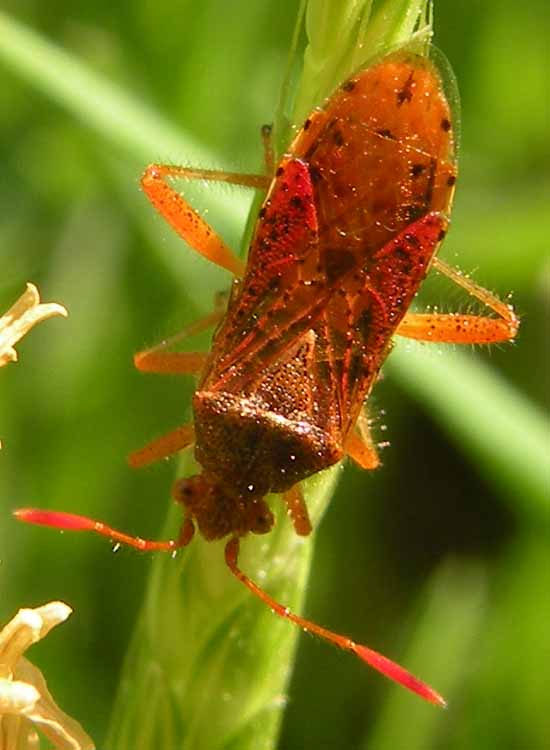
pixel 183 218
pixel 455 328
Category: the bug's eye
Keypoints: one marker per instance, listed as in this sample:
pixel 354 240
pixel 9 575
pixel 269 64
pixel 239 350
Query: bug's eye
pixel 263 523
pixel 188 491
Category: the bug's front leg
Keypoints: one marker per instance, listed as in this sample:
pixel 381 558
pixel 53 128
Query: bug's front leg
pixel 158 360
pixel 162 447
pixel 183 218
pixel 297 510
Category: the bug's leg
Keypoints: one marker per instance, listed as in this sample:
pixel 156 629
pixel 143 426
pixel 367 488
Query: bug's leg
pixel 297 510
pixel 74 522
pixel 455 328
pixel 269 155
pixel 359 444
pixel 381 663
pixel 157 359
pixel 183 218
pixel 162 447
pixel 170 363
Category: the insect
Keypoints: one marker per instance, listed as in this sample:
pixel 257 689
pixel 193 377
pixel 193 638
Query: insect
pixel 354 215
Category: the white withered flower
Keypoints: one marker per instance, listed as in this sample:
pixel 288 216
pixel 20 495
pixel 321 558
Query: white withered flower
pixel 25 702
pixel 20 318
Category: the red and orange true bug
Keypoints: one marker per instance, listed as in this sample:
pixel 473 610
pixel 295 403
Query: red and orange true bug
pixel 351 224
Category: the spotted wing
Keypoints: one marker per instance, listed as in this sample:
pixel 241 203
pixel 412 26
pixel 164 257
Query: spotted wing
pixel 368 176
pixel 283 290
pixel 355 329
pixel 381 156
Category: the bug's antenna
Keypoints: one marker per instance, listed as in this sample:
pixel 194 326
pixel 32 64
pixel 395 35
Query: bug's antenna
pixel 379 662
pixel 74 522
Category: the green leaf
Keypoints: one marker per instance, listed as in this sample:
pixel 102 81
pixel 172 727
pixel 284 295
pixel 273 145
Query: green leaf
pixel 441 648
pixel 113 113
pixel 495 426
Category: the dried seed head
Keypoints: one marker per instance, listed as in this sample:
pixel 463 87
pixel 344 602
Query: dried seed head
pixel 25 701
pixel 20 318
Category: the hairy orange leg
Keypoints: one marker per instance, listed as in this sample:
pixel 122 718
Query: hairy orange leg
pixel 158 360
pixel 359 445
pixel 455 328
pixel 169 363
pixel 202 238
pixel 164 446
pixel 183 218
pixel 373 658
pixel 297 510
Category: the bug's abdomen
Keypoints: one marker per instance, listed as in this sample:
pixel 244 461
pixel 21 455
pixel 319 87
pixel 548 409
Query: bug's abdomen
pixel 381 155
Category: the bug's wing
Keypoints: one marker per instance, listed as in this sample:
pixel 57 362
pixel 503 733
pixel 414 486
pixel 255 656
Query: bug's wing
pixel 283 290
pixel 383 164
pixel 354 332
pixel 326 370
pixel 381 155
pixel 362 171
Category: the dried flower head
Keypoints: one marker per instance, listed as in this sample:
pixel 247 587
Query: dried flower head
pixel 20 318
pixel 25 702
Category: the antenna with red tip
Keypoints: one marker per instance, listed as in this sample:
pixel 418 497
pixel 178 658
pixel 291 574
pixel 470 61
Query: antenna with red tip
pixel 381 663
pixel 74 522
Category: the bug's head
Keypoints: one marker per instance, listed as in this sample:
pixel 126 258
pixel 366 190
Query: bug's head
pixel 218 511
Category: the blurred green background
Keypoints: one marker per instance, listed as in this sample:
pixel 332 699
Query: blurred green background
pixel 433 559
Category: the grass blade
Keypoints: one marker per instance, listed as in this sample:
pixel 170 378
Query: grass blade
pixel 492 423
